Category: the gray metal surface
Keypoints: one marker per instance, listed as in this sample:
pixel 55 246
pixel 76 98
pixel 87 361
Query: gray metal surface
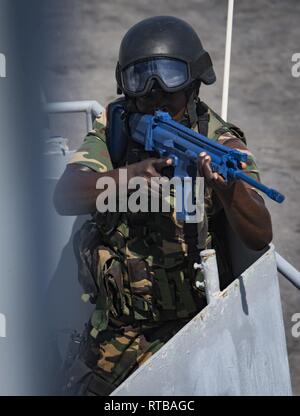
pixel 56 157
pixel 235 346
pixel 67 312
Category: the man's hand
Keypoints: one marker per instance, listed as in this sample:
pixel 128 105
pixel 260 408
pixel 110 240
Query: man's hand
pixel 148 168
pixel 213 179
pixel 244 207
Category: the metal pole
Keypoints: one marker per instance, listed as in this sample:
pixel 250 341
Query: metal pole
pixel 227 60
pixel 288 271
pixel 89 120
pixel 75 107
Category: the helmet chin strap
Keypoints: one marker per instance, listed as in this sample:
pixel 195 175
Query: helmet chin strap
pixel 190 116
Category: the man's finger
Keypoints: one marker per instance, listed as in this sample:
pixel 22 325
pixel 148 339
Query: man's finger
pixel 206 168
pixel 200 163
pixel 153 172
pixel 159 164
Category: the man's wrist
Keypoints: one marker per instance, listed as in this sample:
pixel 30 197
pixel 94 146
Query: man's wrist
pixel 233 193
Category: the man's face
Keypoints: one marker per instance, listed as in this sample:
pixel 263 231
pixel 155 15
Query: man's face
pixel 174 103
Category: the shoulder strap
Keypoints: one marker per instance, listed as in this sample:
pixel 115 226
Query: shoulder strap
pixel 116 132
pixel 203 117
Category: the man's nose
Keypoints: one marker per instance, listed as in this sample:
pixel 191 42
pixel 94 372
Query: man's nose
pixel 160 98
pixel 157 94
pixel 157 91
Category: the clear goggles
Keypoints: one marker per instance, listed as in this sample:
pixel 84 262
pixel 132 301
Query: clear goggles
pixel 171 74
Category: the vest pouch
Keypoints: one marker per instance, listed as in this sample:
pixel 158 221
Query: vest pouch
pixel 143 289
pixel 100 274
pixel 176 297
pixel 110 299
pixel 184 300
pixel 111 273
pixel 85 243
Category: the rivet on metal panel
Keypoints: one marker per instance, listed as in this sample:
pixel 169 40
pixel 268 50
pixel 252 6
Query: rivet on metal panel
pixel 211 275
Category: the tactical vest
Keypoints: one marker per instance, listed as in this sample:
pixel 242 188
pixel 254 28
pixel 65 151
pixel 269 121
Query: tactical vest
pixel 138 267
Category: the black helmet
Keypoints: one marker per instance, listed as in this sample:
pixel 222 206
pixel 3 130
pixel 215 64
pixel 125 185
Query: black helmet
pixel 165 49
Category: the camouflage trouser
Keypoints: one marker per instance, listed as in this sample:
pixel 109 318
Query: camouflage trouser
pixel 107 361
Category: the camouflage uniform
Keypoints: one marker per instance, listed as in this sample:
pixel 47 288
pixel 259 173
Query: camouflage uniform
pixel 138 270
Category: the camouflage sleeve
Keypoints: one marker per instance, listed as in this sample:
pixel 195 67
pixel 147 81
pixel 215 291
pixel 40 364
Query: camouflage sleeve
pixel 93 152
pixel 229 139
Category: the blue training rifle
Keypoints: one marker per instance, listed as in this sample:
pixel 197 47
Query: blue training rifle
pixel 183 145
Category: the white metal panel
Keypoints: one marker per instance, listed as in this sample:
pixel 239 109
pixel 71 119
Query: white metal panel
pixel 235 346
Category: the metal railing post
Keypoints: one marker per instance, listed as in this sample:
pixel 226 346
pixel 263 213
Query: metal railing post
pixel 91 108
pixel 288 271
pixel 209 268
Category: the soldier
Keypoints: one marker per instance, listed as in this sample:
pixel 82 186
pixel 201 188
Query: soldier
pixel 138 267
